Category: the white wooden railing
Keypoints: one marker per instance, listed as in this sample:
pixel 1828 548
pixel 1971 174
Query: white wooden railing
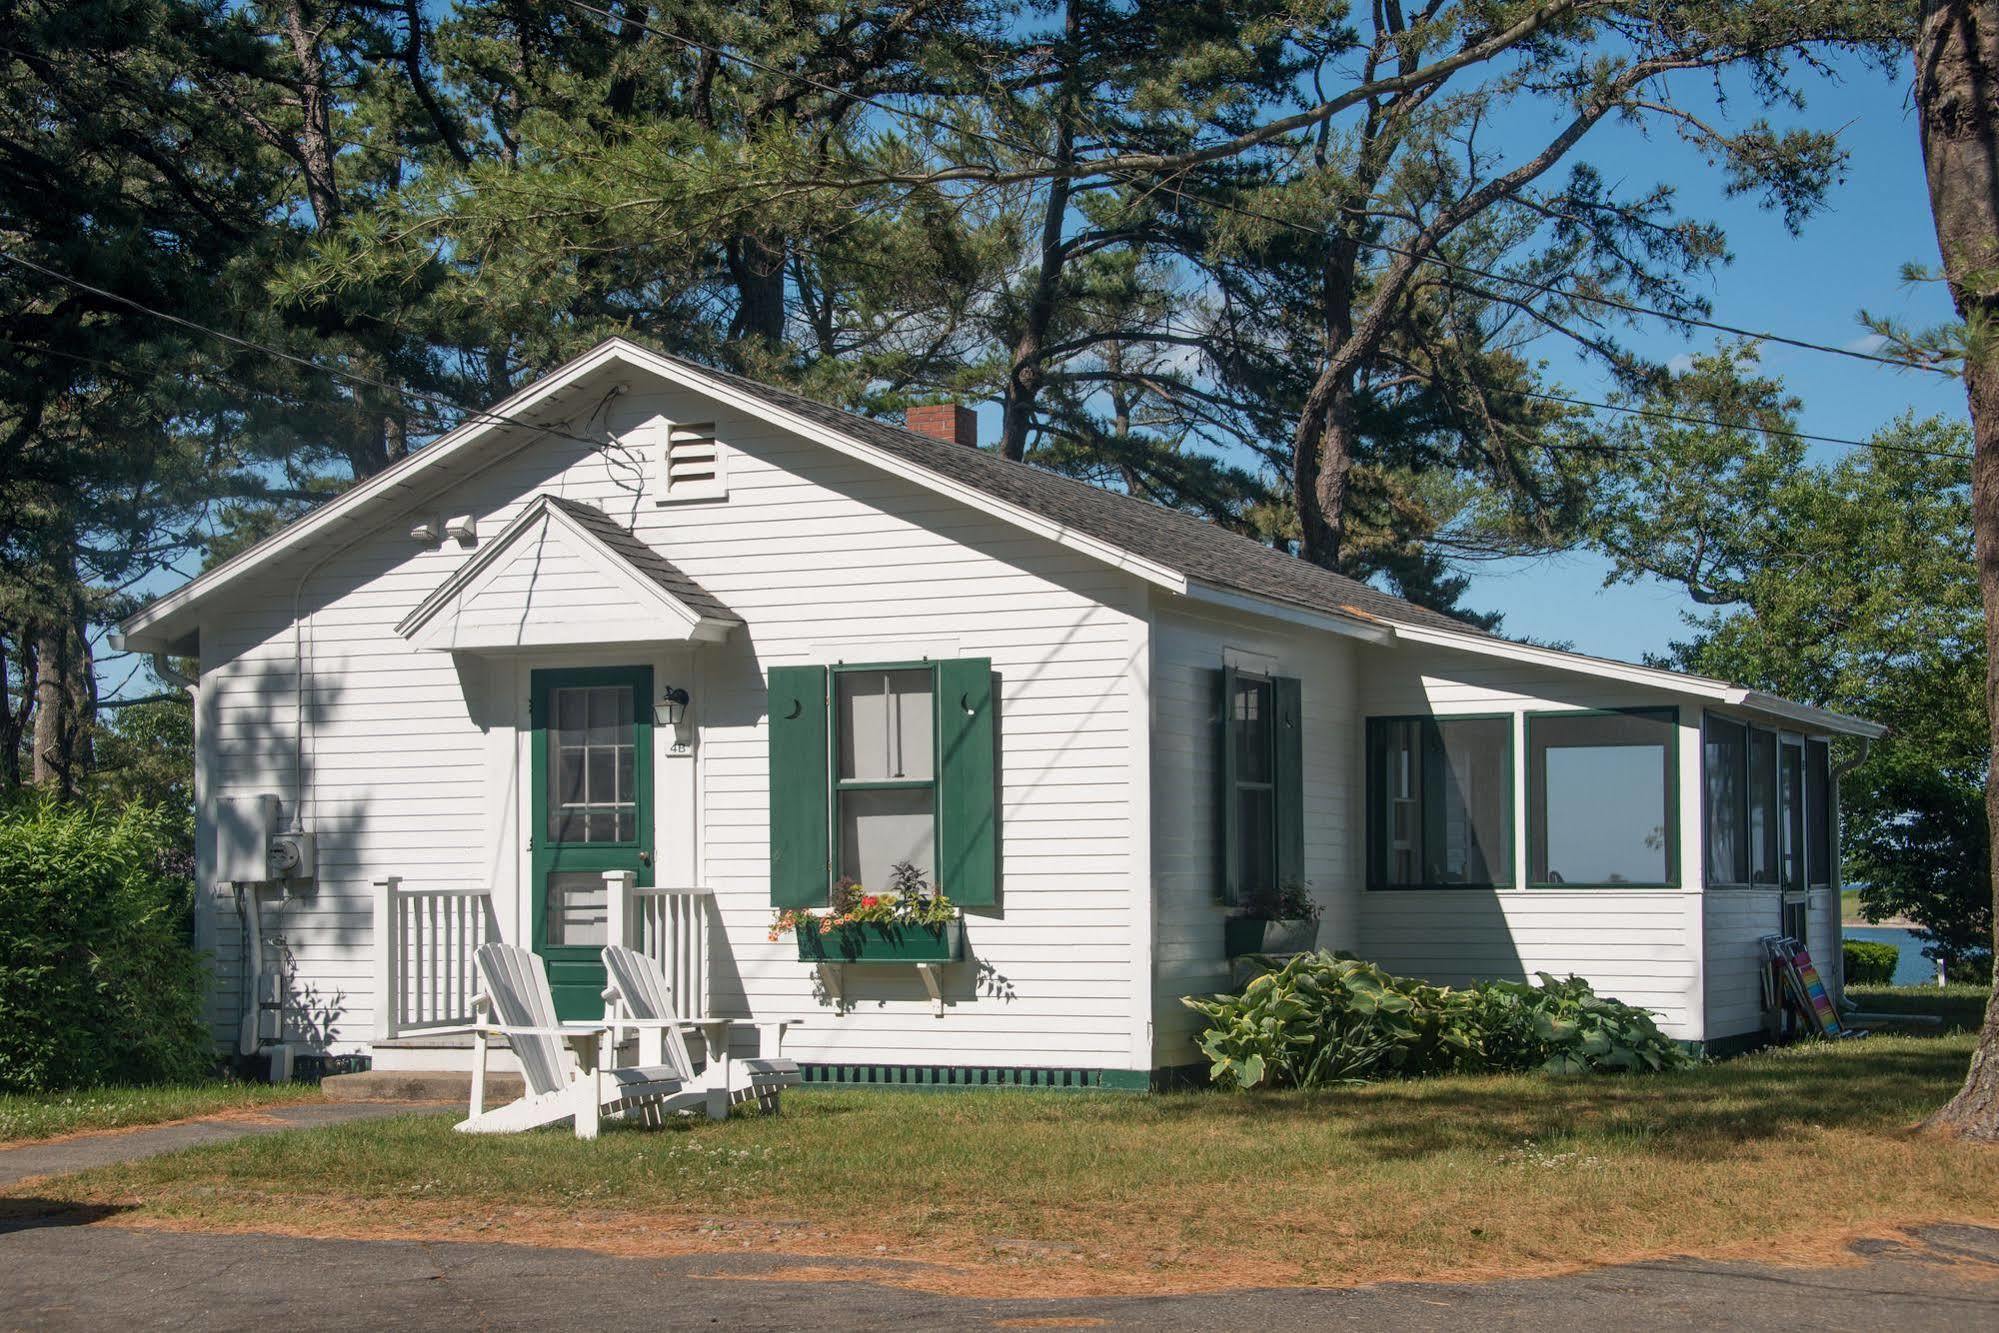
pixel 425 940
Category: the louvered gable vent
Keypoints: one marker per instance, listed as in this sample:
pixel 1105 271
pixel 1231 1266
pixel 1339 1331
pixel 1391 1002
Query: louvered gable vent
pixel 691 463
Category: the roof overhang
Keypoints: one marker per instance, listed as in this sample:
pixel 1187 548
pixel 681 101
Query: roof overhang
pixel 440 623
pixel 545 406
pixel 1658 678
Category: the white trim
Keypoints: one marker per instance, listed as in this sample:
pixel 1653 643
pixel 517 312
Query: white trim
pixel 1651 677
pixel 1211 595
pixel 401 477
pixel 397 477
pixel 433 624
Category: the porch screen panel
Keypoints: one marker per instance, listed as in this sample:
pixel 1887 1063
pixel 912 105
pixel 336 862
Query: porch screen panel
pixel 1601 799
pixel 1725 800
pixel 1762 807
pixel 1441 802
pixel 1819 849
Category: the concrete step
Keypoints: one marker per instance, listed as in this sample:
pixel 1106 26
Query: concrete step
pixel 419 1085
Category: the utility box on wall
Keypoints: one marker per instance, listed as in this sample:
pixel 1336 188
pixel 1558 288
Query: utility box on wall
pixel 243 829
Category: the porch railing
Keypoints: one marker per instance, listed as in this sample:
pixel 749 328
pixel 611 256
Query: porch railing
pixel 426 939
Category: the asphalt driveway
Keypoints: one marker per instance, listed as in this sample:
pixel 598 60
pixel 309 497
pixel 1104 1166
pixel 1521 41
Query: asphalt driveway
pixel 57 1274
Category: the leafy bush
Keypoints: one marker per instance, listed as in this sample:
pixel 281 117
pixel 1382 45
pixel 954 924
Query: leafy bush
pixel 98 982
pixel 1870 962
pixel 1321 1019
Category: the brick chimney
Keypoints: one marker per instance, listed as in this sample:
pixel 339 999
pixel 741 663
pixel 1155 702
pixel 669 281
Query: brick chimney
pixel 952 422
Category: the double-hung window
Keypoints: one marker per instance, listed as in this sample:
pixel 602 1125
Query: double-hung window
pixel 1262 785
pixel 1440 802
pixel 874 765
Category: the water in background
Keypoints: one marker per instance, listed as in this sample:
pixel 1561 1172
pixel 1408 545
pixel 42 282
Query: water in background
pixel 1911 969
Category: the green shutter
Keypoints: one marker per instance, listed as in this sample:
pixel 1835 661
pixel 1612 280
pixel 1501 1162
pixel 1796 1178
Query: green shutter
pixel 967 798
pixel 1290 775
pixel 1230 880
pixel 799 830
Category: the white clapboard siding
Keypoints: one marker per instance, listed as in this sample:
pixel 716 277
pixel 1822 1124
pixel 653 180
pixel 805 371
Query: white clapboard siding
pixel 1737 920
pixel 1189 651
pixel 1639 946
pixel 412 758
pixel 1642 946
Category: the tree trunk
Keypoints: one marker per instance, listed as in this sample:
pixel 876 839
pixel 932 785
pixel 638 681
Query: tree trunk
pixel 756 269
pixel 1027 373
pixel 1957 110
pixel 315 142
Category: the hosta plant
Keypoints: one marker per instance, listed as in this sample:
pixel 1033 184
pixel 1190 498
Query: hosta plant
pixel 1320 1020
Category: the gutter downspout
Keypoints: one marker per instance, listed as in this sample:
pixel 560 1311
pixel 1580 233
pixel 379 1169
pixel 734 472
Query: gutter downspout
pixel 1838 813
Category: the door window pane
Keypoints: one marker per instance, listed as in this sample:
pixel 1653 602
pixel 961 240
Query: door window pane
pixel 885 723
pixel 1724 800
pixel 592 759
pixel 1601 802
pixel 883 826
pixel 1445 802
pixel 578 909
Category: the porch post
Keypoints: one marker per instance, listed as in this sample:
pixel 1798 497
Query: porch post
pixel 388 958
pixel 618 886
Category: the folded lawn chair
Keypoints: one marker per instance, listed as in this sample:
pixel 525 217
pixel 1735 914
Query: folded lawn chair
pixel 515 990
pixel 640 998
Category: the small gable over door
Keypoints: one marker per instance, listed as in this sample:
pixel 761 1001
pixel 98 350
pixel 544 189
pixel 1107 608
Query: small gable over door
pixel 563 573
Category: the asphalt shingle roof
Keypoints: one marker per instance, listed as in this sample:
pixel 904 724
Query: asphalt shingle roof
pixel 1194 547
pixel 644 559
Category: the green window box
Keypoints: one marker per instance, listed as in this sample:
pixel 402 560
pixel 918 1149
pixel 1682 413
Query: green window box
pixel 870 943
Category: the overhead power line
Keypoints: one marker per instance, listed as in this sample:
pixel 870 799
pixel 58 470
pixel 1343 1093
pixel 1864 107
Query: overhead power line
pixel 405 395
pixel 1381 247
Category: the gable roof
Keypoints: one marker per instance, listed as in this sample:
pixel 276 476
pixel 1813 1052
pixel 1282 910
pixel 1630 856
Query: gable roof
pixel 1171 549
pixel 1194 547
pixel 646 581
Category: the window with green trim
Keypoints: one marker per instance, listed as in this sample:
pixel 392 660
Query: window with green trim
pixel 884 774
pixel 875 764
pixel 1602 800
pixel 1262 785
pixel 1440 802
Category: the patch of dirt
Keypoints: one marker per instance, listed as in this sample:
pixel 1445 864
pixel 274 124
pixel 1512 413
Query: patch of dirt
pixel 962 1266
pixel 229 1115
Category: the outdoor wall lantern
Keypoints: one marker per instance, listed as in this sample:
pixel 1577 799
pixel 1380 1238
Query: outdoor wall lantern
pixel 671 710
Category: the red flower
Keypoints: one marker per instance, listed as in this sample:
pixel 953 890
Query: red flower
pixel 870 900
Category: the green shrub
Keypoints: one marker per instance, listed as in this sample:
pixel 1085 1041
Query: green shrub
pixel 1870 962
pixel 1320 1020
pixel 98 983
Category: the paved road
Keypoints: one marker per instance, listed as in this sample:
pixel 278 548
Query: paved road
pixel 88 1150
pixel 58 1275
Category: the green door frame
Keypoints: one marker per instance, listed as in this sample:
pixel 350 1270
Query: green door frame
pixel 576 972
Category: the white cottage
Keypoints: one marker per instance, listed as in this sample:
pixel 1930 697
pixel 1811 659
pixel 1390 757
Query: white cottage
pixel 650 650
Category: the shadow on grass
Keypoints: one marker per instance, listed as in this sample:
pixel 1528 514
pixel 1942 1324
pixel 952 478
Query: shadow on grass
pixel 27 1213
pixel 1716 1111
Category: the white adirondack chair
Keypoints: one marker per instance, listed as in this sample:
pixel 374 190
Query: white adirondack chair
pixel 515 990
pixel 639 997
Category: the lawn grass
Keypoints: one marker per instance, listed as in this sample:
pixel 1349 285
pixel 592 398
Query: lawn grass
pixel 1961 1004
pixel 1777 1155
pixel 46 1115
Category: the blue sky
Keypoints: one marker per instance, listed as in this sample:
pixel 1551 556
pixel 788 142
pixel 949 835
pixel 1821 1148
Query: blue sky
pixel 1811 286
